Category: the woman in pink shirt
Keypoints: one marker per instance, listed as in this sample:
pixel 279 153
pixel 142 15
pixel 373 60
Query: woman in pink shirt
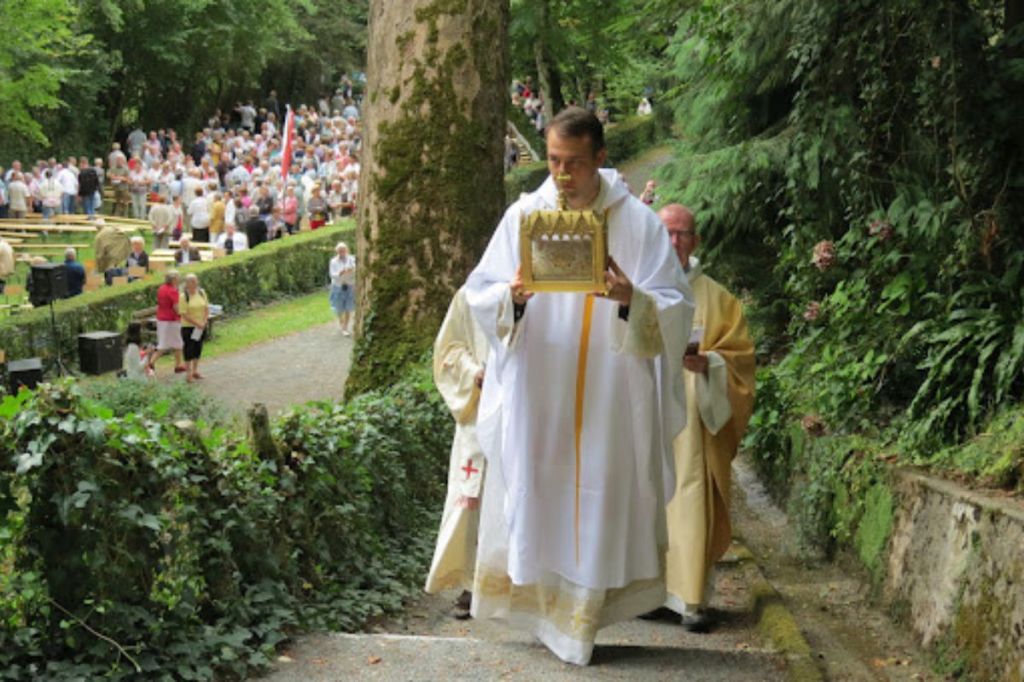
pixel 290 209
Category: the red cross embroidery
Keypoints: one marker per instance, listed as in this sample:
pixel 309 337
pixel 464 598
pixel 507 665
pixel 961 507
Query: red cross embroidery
pixel 470 469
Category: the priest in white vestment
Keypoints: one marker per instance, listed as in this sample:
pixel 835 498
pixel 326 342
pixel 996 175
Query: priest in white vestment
pixel 577 426
pixel 460 354
pixel 719 379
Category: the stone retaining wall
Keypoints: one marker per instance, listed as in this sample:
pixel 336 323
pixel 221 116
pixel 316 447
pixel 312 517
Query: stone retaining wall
pixel 956 572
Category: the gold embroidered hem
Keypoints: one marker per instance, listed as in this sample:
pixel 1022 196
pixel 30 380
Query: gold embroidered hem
pixel 565 617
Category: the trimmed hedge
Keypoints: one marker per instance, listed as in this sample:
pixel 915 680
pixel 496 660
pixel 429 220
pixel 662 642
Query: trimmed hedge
pixel 525 178
pixel 292 266
pixel 632 136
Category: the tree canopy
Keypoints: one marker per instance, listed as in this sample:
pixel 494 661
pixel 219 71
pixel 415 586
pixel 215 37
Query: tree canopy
pixel 76 74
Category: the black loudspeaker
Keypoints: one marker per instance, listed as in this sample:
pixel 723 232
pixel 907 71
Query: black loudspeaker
pixel 99 352
pixel 49 281
pixel 27 372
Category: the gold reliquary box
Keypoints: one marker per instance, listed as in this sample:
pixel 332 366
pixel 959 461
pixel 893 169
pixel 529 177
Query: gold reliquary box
pixel 564 250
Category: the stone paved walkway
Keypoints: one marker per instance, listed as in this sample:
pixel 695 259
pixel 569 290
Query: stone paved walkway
pixel 426 643
pixel 309 365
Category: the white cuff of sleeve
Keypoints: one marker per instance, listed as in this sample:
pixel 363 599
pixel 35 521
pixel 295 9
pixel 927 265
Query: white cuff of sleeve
pixel 713 394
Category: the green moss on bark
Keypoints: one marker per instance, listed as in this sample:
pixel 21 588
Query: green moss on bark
pixel 436 184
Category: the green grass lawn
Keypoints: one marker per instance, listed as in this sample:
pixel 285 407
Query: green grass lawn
pixel 239 332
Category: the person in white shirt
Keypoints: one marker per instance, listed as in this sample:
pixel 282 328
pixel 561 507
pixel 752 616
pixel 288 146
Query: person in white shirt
pixel 19 196
pixel 68 179
pixel 51 192
pixel 199 217
pixel 248 115
pixel 229 208
pixel 189 184
pixel 231 240
pixel 343 285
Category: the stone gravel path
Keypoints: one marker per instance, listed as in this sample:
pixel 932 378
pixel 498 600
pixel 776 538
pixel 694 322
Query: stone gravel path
pixel 641 169
pixel 426 643
pixel 309 365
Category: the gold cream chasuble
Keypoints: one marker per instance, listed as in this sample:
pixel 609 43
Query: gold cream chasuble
pixel 718 407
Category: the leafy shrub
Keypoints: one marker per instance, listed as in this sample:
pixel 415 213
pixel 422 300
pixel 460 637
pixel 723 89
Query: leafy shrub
pixel 859 131
pixel 995 457
pixel 632 136
pixel 277 269
pixel 525 178
pixel 167 402
pixel 138 549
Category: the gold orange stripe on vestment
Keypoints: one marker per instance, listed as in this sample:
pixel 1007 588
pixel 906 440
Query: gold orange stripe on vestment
pixel 581 384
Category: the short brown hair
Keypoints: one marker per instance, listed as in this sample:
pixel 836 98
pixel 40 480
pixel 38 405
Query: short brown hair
pixel 578 122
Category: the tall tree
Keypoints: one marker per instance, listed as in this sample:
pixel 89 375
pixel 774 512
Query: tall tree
pixel 432 170
pixel 37 35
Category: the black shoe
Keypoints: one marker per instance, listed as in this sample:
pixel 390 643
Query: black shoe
pixel 660 613
pixel 461 609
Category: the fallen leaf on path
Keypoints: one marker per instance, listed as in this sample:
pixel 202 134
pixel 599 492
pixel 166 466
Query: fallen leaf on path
pixel 373 660
pixel 285 659
pixel 320 661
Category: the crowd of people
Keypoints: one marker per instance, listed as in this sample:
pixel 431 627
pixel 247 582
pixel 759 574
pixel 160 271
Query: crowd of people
pixel 229 175
pixel 252 174
pixel 530 100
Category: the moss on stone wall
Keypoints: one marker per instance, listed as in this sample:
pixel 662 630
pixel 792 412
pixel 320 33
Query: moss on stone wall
pixel 874 529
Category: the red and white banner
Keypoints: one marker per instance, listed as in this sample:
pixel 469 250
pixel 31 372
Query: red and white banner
pixel 288 135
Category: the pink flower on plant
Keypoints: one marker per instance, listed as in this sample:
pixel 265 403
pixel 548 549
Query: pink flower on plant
pixel 812 311
pixel 824 255
pixel 881 229
pixel 813 425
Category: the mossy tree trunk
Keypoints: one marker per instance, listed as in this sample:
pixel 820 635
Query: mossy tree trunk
pixel 432 171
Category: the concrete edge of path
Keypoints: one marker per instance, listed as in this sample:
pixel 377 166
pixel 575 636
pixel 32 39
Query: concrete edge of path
pixel 778 625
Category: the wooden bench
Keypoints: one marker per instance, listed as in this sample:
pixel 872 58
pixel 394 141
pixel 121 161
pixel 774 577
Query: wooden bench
pixel 50 227
pixel 197 245
pixel 50 246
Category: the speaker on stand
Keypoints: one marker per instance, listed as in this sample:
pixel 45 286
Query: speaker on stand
pixel 48 282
